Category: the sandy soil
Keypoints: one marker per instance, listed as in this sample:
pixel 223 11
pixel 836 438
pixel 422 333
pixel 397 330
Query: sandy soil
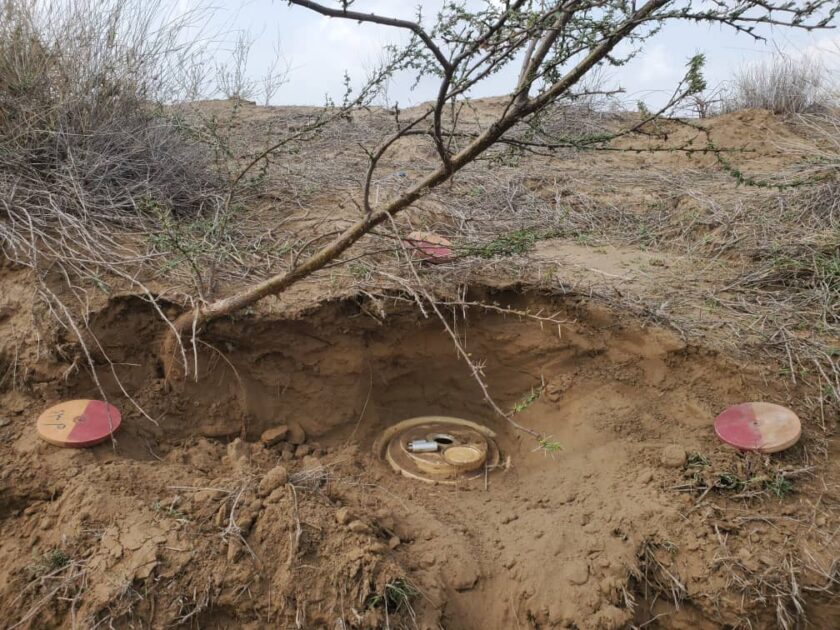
pixel 191 517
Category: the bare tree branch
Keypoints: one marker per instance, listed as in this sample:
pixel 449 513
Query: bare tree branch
pixel 378 19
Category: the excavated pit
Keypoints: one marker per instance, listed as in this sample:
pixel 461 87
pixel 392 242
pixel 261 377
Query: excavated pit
pixel 553 537
pixel 345 374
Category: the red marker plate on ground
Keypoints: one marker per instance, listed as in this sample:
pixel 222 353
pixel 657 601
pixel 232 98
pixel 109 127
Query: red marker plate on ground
pixel 78 423
pixel 430 247
pixel 758 426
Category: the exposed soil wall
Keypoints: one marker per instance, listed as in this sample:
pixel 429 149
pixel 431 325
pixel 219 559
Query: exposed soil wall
pixel 196 521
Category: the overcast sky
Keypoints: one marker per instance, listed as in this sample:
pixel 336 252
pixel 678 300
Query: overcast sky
pixel 317 50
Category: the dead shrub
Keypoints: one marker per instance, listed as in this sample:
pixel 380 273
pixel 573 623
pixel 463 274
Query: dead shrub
pixel 782 84
pixel 87 141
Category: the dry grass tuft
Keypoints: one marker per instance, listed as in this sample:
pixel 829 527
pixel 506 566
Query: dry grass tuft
pixel 783 85
pixel 657 574
pixel 86 146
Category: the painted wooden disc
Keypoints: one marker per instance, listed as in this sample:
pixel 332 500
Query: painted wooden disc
pixel 431 247
pixel 78 423
pixel 758 426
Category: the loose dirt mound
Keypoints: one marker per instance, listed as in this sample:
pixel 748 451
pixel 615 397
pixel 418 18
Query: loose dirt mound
pixel 197 521
pixel 754 143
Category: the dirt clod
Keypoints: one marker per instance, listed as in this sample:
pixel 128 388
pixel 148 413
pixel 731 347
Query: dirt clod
pixel 272 436
pixel 303 450
pixel 238 454
pixel 673 456
pixel 234 549
pixel 344 516
pixel 577 572
pixel 296 435
pixel 276 477
pixel 311 464
pixel 276 496
pixel 464 576
pixel 358 527
pixel 221 516
pixel 288 452
pixel 646 476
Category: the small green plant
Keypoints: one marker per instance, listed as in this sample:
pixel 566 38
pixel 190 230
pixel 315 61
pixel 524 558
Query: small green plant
pixel 169 510
pixel 728 481
pixel 697 460
pixel 645 234
pixel 778 485
pixel 548 445
pixel 52 561
pixel 754 485
pixel 358 270
pixel 511 244
pixel 56 559
pixel 668 546
pixel 819 266
pixel 395 597
pixel 526 401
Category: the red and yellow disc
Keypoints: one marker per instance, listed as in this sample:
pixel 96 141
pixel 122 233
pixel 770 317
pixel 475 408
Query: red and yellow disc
pixel 79 423
pixel 758 426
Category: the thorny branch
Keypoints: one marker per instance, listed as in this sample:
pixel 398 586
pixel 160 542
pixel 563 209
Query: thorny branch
pixel 464 47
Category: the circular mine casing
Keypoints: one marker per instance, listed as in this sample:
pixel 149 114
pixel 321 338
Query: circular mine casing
pixel 464 449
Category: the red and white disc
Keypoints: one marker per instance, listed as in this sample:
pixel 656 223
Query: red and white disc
pixel 79 423
pixel 430 247
pixel 759 426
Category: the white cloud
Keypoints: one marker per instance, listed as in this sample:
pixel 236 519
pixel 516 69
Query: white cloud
pixel 826 50
pixel 320 49
pixel 657 66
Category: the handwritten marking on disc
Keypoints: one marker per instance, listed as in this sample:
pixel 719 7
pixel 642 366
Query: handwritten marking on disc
pixel 78 423
pixel 758 426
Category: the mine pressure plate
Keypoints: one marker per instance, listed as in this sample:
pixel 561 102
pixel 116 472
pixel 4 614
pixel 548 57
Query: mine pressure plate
pixel 438 449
